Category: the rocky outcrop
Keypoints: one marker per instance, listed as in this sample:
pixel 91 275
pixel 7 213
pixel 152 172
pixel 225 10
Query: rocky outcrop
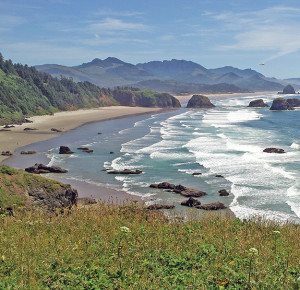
pixel 85 149
pixel 223 192
pixel 180 189
pixel 199 101
pixel 65 150
pixel 196 173
pixel 62 197
pixel 125 171
pixel 258 104
pixel 274 150
pixel 294 102
pixel 136 97
pixel 288 90
pixel 42 169
pixel 212 206
pixel 191 202
pixel 160 206
pixel 30 129
pixel 219 176
pixel 56 130
pixel 27 152
pixel 280 104
pixel 6 153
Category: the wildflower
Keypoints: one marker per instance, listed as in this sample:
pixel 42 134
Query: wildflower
pixel 2 258
pixel 253 251
pixel 276 233
pixel 125 230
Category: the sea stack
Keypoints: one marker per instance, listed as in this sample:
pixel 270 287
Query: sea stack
pixel 258 104
pixel 200 101
pixel 280 104
pixel 289 89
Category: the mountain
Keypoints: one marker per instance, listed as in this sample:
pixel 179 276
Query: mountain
pixel 176 87
pixel 112 72
pixel 25 91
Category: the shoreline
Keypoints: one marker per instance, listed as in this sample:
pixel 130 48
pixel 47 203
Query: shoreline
pixel 17 138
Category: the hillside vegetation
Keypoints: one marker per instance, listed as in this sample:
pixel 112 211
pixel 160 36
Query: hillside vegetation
pixel 24 91
pixel 127 247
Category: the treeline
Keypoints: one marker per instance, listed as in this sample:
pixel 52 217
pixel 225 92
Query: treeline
pixel 24 91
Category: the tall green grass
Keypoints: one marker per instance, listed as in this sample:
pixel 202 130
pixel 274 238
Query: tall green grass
pixel 126 247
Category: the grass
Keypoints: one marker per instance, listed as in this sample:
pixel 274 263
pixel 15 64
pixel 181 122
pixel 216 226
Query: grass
pixel 14 185
pixel 126 247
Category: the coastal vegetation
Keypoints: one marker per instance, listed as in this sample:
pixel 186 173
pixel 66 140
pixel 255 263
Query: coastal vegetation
pixel 105 246
pixel 24 91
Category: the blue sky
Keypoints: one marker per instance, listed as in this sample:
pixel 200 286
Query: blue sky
pixel 240 33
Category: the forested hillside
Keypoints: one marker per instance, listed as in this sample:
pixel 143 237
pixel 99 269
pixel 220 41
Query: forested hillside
pixel 24 91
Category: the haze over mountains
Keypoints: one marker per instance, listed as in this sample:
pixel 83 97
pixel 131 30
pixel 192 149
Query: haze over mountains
pixel 175 76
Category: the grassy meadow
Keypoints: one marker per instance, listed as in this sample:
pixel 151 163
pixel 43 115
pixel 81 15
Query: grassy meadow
pixel 127 247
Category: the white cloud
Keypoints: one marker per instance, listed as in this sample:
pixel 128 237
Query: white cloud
pixel 274 30
pixel 114 25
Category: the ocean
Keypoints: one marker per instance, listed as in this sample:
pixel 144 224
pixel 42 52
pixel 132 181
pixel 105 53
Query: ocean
pixel 227 140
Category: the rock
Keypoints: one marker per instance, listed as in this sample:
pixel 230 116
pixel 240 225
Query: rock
pixel 280 104
pixel 288 90
pixel 41 169
pixel 6 153
pixel 111 152
pixel 27 152
pixel 163 185
pixel 65 150
pixel 190 192
pixel 212 206
pixel 274 150
pixel 294 102
pixel 8 126
pixel 61 197
pixel 85 149
pixel 258 104
pixel 191 202
pixel 55 130
pixel 160 206
pixel 30 129
pixel 199 101
pixel 99 133
pixel 125 171
pixel 223 192
pixel 27 121
pixel 219 176
pixel 86 201
pixel 197 173
pixel 180 189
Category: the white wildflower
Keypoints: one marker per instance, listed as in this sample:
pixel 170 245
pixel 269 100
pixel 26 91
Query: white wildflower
pixel 253 251
pixel 125 230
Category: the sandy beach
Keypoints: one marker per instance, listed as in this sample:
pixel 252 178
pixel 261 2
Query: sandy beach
pixel 64 121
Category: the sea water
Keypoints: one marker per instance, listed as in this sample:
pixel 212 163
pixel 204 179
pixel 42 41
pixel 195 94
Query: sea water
pixel 227 140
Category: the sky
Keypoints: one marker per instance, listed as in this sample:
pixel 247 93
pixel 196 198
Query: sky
pixel 240 33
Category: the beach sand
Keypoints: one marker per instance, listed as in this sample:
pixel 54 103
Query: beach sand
pixel 64 121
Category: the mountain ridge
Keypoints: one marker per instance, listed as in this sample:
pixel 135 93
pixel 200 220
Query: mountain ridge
pixel 112 72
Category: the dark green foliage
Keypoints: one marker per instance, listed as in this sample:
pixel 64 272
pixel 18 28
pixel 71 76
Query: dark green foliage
pixel 24 91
